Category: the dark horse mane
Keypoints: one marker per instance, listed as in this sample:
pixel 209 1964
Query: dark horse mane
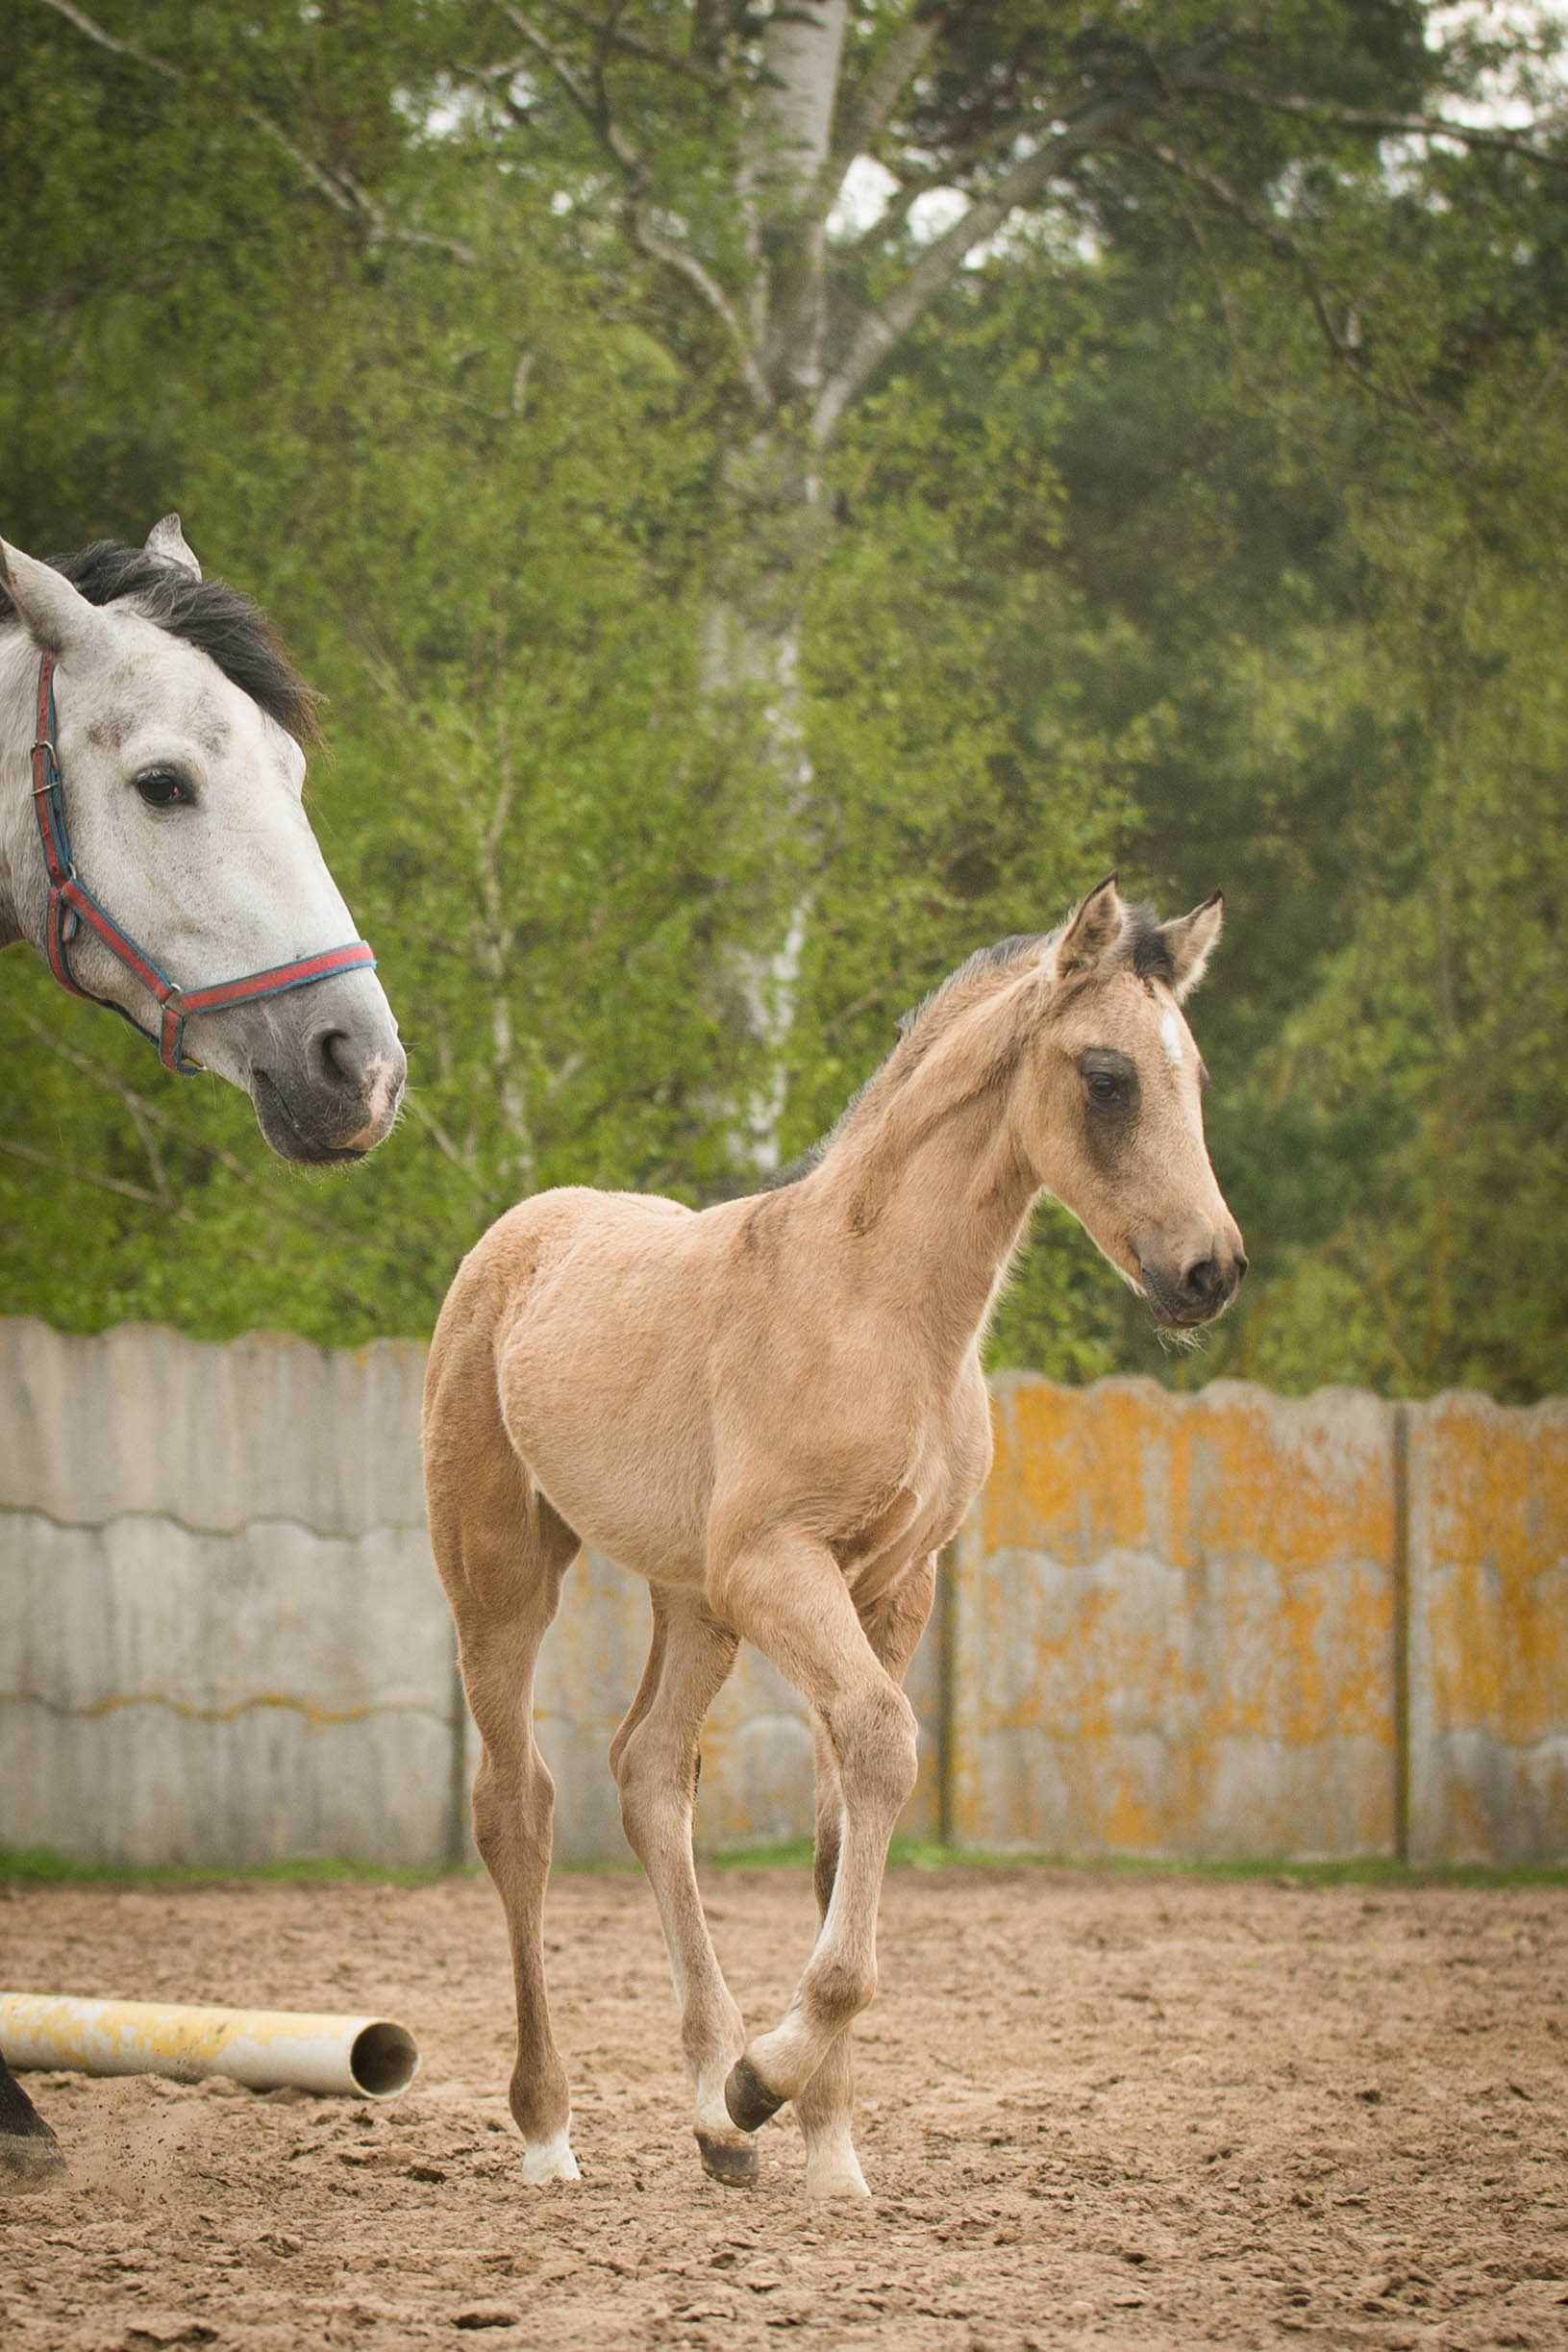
pixel 208 613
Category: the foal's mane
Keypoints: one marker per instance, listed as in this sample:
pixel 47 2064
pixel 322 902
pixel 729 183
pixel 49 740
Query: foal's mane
pixel 208 613
pixel 919 1029
pixel 1141 949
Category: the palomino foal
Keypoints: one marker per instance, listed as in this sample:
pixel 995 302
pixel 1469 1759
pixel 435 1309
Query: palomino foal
pixel 774 1410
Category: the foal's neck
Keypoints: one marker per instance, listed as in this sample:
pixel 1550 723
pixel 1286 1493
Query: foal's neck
pixel 19 674
pixel 933 1202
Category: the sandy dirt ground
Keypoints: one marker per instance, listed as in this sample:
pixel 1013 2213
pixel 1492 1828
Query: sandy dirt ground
pixel 1094 2111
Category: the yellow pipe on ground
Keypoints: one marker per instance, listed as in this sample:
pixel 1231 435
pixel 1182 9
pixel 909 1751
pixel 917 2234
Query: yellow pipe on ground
pixel 267 2049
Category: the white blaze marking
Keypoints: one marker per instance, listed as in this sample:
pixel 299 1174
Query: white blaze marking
pixel 1170 1035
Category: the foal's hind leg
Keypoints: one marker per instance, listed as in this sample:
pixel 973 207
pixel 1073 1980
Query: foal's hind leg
pixel 786 1592
pixel 655 1759
pixel 824 2110
pixel 502 1552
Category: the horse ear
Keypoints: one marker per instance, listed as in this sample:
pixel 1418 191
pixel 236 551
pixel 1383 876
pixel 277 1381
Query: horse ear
pixel 169 541
pixel 56 615
pixel 1094 927
pixel 1191 941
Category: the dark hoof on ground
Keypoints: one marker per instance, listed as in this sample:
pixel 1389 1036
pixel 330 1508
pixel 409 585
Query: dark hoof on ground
pixel 748 2098
pixel 29 2151
pixel 732 2161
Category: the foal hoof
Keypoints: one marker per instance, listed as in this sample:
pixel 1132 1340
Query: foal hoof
pixel 549 2160
pixel 748 2098
pixel 734 2162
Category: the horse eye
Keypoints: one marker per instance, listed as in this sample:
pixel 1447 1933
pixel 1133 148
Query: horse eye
pixel 1104 1086
pixel 162 790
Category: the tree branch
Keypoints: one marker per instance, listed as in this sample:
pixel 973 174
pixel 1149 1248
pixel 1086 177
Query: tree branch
pixel 590 103
pixel 343 193
pixel 116 1184
pixel 1339 343
pixel 108 40
pixel 945 256
pixel 461 1157
pixel 122 1190
pixel 865 119
pixel 1371 118
pixel 670 253
pixel 681 263
pixel 632 45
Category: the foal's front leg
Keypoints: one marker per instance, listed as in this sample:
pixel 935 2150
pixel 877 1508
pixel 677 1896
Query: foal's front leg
pixel 653 1759
pixel 786 1593
pixel 825 2109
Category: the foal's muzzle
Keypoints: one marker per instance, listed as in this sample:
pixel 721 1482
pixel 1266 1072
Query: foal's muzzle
pixel 1195 1287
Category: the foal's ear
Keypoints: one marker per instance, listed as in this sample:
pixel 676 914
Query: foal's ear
pixel 1095 926
pixel 54 614
pixel 169 541
pixel 1191 941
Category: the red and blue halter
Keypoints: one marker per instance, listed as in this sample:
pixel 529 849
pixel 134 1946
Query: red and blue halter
pixel 71 904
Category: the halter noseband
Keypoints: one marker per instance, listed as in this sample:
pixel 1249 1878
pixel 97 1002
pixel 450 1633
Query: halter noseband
pixel 71 904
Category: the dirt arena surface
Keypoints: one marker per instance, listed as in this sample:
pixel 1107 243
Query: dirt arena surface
pixel 1094 2111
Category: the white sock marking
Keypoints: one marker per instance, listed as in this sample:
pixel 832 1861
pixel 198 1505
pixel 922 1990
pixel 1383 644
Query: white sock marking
pixel 550 2160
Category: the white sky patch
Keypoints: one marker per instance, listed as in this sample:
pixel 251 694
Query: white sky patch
pixel 867 191
pixel 1170 1036
pixel 869 187
pixel 1513 95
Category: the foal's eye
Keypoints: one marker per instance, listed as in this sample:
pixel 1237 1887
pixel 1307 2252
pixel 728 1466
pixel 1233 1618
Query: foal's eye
pixel 162 790
pixel 1109 1081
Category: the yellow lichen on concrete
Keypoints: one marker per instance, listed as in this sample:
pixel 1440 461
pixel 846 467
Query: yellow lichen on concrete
pixel 1176 1624
pixel 1489 1630
pixel 1496 1532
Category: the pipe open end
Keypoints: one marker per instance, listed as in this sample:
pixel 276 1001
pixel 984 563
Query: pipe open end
pixel 385 2060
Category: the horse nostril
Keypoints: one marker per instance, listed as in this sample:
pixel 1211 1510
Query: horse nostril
pixel 1203 1281
pixel 337 1060
pixel 1241 1265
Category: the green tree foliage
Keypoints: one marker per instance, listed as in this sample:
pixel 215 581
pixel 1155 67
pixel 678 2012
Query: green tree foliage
pixel 1205 523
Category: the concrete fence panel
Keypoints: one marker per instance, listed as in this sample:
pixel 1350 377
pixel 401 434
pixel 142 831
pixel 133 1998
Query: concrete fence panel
pixel 1222 1624
pixel 174 1697
pixel 1488 1632
pixel 221 1640
pixel 1175 1625
pixel 142 1420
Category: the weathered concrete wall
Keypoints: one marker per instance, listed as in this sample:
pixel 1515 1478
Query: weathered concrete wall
pixel 1489 1630
pixel 222 1638
pixel 1177 1621
pixel 1222 1624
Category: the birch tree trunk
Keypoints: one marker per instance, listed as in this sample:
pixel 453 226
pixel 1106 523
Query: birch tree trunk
pixel 772 531
pixel 751 674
